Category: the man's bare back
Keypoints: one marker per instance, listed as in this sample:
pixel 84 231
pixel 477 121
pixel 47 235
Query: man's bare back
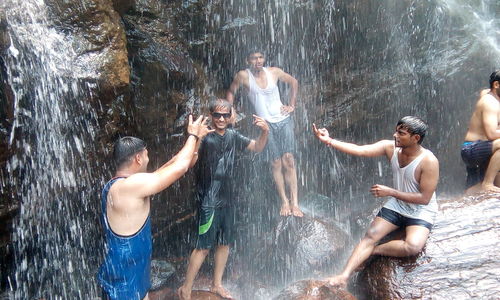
pixel 487 103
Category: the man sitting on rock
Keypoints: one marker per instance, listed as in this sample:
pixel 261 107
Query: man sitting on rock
pixel 412 202
pixel 481 148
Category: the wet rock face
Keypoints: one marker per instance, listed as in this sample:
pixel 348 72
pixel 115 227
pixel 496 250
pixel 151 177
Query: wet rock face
pixel 99 41
pixel 313 290
pixel 460 258
pixel 4 36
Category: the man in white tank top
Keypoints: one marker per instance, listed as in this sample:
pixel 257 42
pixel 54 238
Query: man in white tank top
pixel 263 93
pixel 412 201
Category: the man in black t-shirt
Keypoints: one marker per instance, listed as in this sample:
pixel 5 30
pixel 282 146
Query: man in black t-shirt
pixel 214 172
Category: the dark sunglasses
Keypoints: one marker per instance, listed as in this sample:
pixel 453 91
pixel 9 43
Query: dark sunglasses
pixel 218 115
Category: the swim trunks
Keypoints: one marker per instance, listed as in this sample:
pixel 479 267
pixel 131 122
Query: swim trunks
pixel 400 220
pixel 215 227
pixel 476 156
pixel 281 140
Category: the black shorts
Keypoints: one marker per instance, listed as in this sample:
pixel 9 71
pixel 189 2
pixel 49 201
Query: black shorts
pixel 215 227
pixel 281 139
pixel 476 156
pixel 400 220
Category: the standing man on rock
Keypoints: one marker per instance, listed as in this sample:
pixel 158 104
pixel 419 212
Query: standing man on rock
pixel 412 202
pixel 481 148
pixel 125 273
pixel 214 173
pixel 263 93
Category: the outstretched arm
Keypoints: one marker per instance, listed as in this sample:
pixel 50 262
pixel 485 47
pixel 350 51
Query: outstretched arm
pixel 259 144
pixel 147 184
pixel 380 148
pixel 429 178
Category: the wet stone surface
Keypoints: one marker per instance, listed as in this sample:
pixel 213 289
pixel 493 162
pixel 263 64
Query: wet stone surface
pixel 460 258
pixel 313 290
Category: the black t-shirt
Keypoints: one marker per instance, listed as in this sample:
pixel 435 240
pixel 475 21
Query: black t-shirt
pixel 214 169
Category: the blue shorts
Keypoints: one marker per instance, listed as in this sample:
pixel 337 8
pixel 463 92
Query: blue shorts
pixel 401 221
pixel 476 156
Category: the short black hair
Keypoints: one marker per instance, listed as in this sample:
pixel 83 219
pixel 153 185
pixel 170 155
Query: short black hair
pixel 125 148
pixel 495 76
pixel 255 50
pixel 218 102
pixel 414 125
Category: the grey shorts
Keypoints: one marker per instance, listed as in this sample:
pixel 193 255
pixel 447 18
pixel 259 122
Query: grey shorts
pixel 281 139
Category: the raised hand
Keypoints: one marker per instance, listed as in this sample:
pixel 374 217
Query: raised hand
pixel 199 127
pixel 322 134
pixel 261 123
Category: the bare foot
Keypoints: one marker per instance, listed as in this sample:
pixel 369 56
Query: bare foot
pixel 490 188
pixel 297 212
pixel 183 293
pixel 339 280
pixel 285 210
pixel 221 291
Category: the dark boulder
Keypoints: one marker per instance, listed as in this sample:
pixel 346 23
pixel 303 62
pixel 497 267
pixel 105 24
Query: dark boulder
pixel 459 261
pixel 300 247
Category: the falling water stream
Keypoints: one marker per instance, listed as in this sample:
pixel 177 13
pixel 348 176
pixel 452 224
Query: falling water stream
pixel 361 66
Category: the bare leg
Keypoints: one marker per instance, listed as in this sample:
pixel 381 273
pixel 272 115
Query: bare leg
pixel 416 236
pixel 378 229
pixel 488 183
pixel 280 186
pixel 195 262
pixel 146 297
pixel 290 175
pixel 221 255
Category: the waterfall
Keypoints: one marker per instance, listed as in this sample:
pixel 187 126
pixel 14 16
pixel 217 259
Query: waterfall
pixel 52 170
pixel 361 66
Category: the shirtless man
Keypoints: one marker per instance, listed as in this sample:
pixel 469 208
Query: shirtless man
pixel 125 201
pixel 215 198
pixel 412 203
pixel 481 148
pixel 263 93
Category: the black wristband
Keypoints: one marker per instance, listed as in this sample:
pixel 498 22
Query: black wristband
pixel 195 136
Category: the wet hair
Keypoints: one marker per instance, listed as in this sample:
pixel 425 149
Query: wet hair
pixel 414 125
pixel 217 102
pixel 125 148
pixel 495 76
pixel 255 50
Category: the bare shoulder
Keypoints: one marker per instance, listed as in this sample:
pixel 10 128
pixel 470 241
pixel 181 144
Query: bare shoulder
pixel 430 160
pixel 275 70
pixel 241 75
pixel 388 146
pixel 488 100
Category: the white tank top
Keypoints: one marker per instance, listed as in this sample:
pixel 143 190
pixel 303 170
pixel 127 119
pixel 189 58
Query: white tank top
pixel 267 102
pixel 404 180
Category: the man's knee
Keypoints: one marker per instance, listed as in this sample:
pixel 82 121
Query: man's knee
pixel 413 248
pixel 203 252
pixel 496 146
pixel 276 164
pixel 288 160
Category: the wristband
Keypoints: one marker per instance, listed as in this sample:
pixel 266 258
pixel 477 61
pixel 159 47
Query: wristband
pixel 195 136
